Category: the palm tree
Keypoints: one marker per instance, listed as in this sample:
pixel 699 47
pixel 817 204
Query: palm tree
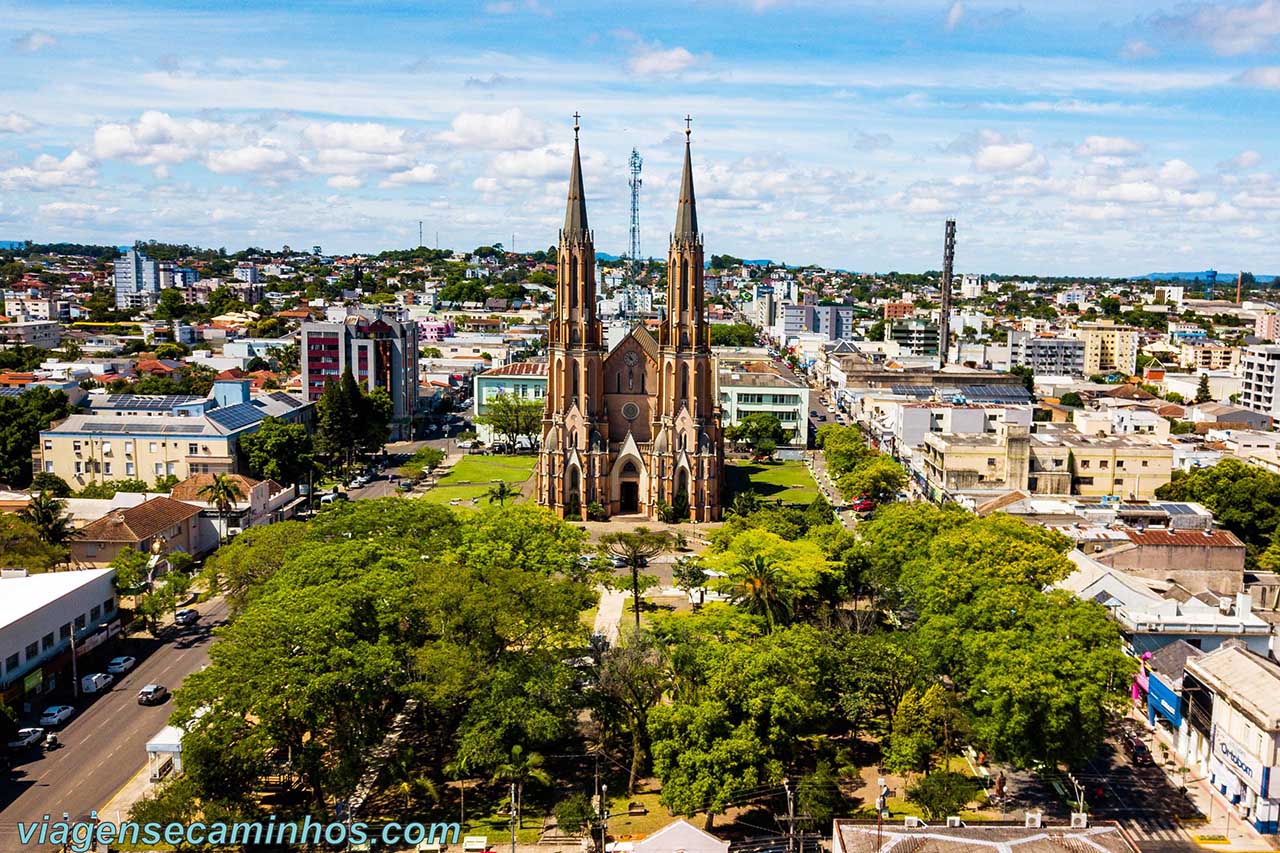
pixel 634 548
pixel 223 492
pixel 48 516
pixel 745 503
pixel 760 591
pixel 520 769
pixel 501 492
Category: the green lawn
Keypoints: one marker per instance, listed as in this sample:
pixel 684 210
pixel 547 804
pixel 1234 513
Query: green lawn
pixel 473 475
pixel 789 482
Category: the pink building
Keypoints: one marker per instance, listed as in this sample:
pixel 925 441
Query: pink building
pixel 434 331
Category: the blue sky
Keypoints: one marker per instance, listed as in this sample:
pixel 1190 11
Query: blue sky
pixel 1081 137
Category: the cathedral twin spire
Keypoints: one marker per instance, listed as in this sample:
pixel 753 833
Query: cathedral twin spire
pixel 575 215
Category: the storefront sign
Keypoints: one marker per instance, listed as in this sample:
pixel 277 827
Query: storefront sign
pixel 1244 765
pixel 33 679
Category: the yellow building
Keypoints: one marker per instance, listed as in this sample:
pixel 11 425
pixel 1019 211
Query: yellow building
pixel 1109 348
pixel 1054 460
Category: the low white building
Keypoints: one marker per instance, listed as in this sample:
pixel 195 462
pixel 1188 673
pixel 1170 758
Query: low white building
pixel 37 616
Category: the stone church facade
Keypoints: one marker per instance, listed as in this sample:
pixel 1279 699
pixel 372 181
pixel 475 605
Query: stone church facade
pixel 637 427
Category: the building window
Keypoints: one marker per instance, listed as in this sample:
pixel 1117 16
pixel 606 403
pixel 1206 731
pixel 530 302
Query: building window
pixel 109 605
pixel 1084 463
pixel 33 652
pixel 94 613
pixel 1119 463
pixel 193 449
pixel 65 631
pixel 128 469
pixel 1102 464
pixel 46 642
pixel 106 467
pixel 1144 463
pixel 80 622
pixel 11 663
pixel 991 460
pixel 152 446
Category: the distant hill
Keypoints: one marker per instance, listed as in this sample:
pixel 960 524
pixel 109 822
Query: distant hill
pixel 1223 277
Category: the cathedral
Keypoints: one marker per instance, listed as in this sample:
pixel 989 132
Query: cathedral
pixel 637 428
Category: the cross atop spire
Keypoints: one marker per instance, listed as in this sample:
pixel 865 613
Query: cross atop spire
pixel 686 211
pixel 575 215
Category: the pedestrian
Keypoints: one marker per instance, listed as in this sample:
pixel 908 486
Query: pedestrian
pixel 1000 785
pixel 982 759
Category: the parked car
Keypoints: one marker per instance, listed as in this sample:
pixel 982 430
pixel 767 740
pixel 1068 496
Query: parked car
pixel 120 665
pixel 27 738
pixel 406 485
pixel 333 498
pixel 56 715
pixel 863 504
pixel 95 682
pixel 186 616
pixel 153 694
pixel 1138 752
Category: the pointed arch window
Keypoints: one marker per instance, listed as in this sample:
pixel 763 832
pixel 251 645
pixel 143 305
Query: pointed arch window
pixel 575 379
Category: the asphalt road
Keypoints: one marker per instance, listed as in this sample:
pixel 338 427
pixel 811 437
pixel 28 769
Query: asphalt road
pixel 105 742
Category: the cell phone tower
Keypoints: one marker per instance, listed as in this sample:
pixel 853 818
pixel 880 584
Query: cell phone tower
pixel 633 253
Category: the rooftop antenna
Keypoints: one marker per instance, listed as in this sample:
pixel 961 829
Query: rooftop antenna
pixel 419 233
pixel 634 251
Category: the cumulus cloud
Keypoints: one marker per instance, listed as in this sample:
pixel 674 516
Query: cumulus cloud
pixel 46 171
pixel 157 138
pixel 425 173
pixel 368 137
pixel 537 164
pixel 992 153
pixel 657 60
pixel 1178 173
pixel 15 123
pixel 508 130
pixel 248 160
pixel 1137 49
pixel 75 211
pixel 345 182
pixel 1263 77
pixel 34 41
pixel 1108 146
pixel 1230 30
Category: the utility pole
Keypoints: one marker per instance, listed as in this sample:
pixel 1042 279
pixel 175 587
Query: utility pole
pixel 604 815
pixel 75 675
pixel 791 816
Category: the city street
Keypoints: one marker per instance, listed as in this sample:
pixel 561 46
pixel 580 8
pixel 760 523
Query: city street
pixel 104 745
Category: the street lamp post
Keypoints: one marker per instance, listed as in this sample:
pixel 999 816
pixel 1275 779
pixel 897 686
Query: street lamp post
pixel 75 675
pixel 604 815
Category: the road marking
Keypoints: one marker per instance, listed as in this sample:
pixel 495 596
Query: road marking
pixel 103 807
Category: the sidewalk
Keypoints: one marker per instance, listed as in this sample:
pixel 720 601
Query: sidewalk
pixel 117 808
pixel 817 465
pixel 609 614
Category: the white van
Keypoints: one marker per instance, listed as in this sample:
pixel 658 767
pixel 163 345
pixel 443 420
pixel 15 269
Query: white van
pixel 95 682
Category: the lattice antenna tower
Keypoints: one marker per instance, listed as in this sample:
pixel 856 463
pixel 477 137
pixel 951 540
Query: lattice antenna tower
pixel 944 319
pixel 633 253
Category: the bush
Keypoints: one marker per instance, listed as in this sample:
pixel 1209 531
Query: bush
pixel 596 512
pixel 574 814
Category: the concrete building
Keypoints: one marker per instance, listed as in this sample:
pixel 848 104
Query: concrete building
pixel 1056 459
pixel 137 281
pixel 148 437
pixel 1258 391
pixel 758 387
pixel 1233 703
pixel 1267 325
pixel 245 272
pixel 157 526
pixel 379 352
pixel 914 335
pixel 898 310
pixel 1109 348
pixel 44 334
pixel 1051 356
pixel 37 616
pixel 1206 355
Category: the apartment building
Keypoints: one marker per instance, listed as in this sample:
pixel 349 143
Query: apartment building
pixel 44 334
pixel 1267 326
pixel 1047 356
pixel 1055 459
pixel 137 281
pixel 914 335
pixel 1109 348
pixel 147 437
pixel 898 310
pixel 1261 367
pixel 380 353
pixel 524 379
pixel 1205 355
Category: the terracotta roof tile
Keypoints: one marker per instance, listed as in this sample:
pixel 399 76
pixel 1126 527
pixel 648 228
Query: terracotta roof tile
pixel 140 522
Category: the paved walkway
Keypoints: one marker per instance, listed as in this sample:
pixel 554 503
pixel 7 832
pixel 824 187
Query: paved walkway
pixel 817 465
pixel 609 613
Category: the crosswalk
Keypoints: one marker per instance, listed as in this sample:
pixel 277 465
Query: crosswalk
pixel 1153 833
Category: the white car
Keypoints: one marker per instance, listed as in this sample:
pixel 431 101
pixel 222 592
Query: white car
pixel 186 616
pixel 120 665
pixel 26 738
pixel 56 715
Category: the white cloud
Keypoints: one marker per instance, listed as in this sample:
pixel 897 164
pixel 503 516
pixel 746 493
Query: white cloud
pixel 1108 146
pixel 539 164
pixel 1135 49
pixel 654 59
pixel 158 138
pixel 1178 173
pixel 345 182
pixel 45 171
pixel 1264 77
pixel 15 123
pixel 75 211
pixel 871 141
pixel 34 41
pixel 251 159
pixel 508 130
pixel 369 137
pixel 1008 157
pixel 954 15
pixel 1229 29
pixel 1244 160
pixel 425 173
